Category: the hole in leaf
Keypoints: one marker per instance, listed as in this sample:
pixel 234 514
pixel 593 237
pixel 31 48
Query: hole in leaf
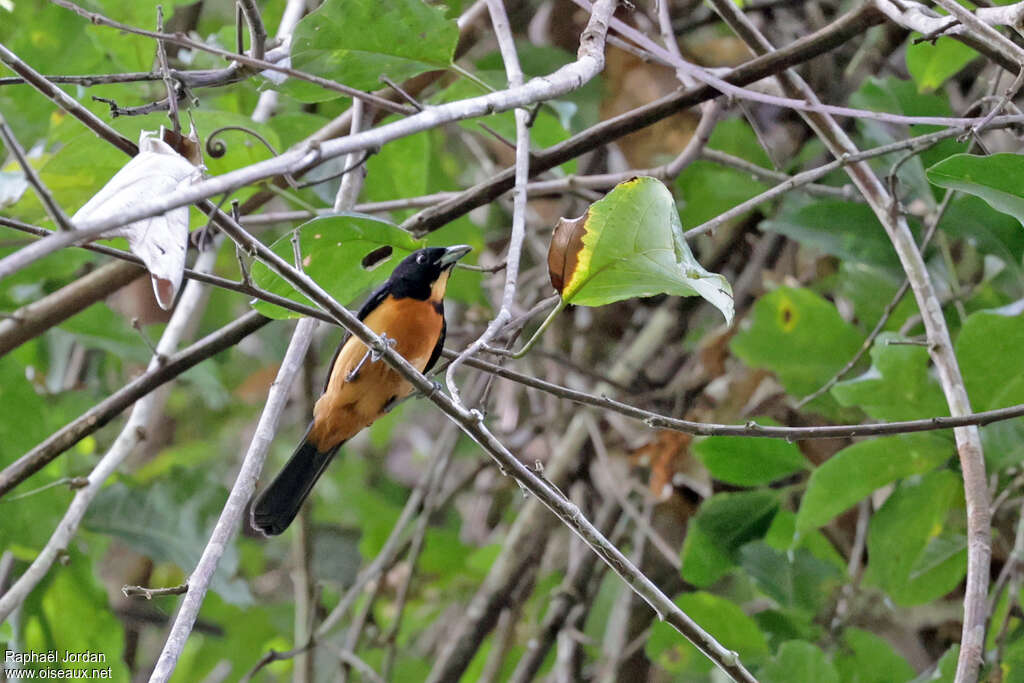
pixel 377 257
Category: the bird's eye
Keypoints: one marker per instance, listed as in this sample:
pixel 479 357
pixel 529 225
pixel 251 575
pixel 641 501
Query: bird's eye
pixel 421 258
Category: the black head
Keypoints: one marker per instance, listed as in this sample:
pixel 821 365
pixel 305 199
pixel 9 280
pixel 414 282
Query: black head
pixel 423 274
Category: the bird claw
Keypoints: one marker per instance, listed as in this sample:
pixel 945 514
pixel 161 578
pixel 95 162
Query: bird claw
pixel 373 355
pixel 376 355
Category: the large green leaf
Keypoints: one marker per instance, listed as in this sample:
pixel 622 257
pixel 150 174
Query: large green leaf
pixel 994 178
pixel 708 189
pixel 897 387
pixel 721 618
pixel 856 471
pixel 793 578
pixel 988 349
pixel 798 662
pixel 866 658
pixel 931 63
pixel 992 232
pixel 799 336
pixel 333 249
pixel 845 229
pixel 914 517
pixel 355 41
pixel 630 244
pixel 746 461
pixel 731 520
pixel 704 562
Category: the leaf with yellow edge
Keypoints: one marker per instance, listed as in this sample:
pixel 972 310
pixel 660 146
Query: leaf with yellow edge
pixel 630 244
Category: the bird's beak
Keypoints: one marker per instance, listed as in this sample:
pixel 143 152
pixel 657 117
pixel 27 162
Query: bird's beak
pixel 453 254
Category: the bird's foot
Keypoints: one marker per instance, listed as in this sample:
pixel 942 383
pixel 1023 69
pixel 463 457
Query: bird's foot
pixel 376 355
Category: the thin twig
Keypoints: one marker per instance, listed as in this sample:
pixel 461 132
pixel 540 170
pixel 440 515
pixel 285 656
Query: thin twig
pixel 150 593
pixel 53 210
pixel 514 73
pixel 165 71
pixel 257 32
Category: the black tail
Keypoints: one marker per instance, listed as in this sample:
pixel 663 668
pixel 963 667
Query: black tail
pixel 277 505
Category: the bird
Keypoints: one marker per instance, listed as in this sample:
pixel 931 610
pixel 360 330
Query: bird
pixel 407 311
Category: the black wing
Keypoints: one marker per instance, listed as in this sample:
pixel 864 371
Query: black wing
pixel 436 353
pixel 371 303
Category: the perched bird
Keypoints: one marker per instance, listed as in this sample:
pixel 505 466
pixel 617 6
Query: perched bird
pixel 408 312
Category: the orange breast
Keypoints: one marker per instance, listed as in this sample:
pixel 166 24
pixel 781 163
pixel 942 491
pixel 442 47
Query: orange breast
pixel 346 407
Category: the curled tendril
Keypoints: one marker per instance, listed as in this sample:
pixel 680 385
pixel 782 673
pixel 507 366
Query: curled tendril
pixel 366 155
pixel 216 148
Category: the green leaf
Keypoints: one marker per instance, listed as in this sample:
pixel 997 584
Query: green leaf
pixel 333 249
pixel 871 288
pixel 798 662
pixel 747 461
pixel 704 562
pixel 782 536
pixel 988 349
pixel 797 335
pixel 721 618
pixel 992 232
pixel 844 229
pixel 169 522
pixel 899 385
pixel 633 246
pixel 902 97
pixel 931 64
pixel 708 189
pixel 792 578
pixel 856 471
pixel 901 531
pixel 355 41
pixel 731 520
pixel 993 178
pixel 866 658
pixel 781 625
